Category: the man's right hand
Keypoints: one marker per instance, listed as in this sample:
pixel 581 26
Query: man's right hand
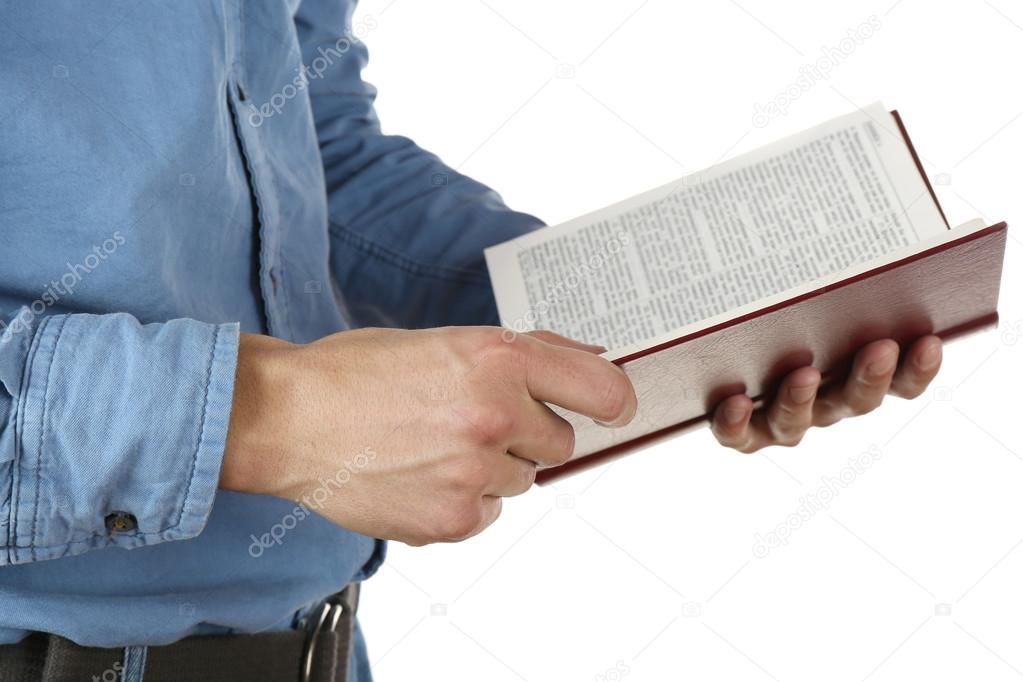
pixel 412 435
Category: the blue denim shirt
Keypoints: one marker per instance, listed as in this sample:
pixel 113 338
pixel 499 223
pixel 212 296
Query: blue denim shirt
pixel 170 174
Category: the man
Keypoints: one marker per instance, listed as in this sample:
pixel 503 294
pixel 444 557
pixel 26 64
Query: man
pixel 173 174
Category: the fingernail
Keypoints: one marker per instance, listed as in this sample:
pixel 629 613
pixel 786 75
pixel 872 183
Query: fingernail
pixel 734 415
pixel 802 394
pixel 883 365
pixel 930 358
pixel 622 420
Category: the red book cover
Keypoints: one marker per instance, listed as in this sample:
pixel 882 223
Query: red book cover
pixel 948 289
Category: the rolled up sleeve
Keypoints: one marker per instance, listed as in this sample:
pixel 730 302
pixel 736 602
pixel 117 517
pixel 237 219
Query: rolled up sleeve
pixel 113 431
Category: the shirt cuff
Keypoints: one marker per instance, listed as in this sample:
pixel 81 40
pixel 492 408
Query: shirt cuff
pixel 119 432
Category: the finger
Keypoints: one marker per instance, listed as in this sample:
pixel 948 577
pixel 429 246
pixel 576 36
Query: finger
pixel 578 381
pixel 565 342
pixel 511 476
pixel 866 386
pixel 541 436
pixel 489 510
pixel 923 360
pixel 790 414
pixel 731 423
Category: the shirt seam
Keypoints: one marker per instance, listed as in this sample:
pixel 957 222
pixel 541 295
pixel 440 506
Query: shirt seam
pixel 19 422
pixel 69 544
pixel 403 262
pixel 42 434
pixel 273 323
pixel 202 430
pixel 281 292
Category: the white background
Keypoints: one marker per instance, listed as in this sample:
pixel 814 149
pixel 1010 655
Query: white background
pixel 644 569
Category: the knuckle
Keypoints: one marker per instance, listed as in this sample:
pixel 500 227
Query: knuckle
pixel 869 385
pixel 498 340
pixel 527 475
pixel 486 425
pixel 417 540
pixel 787 432
pixel 862 397
pixel 472 474
pixel 831 410
pixel 566 444
pixel 791 440
pixel 828 419
pixel 495 345
pixel 790 411
pixel 743 443
pixel 868 404
pixel 460 522
pixel 487 338
pixel 724 438
pixel 614 400
pixel 728 436
pixel 542 335
pixel 746 448
pixel 908 392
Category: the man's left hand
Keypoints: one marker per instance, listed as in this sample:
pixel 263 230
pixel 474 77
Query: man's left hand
pixel 876 372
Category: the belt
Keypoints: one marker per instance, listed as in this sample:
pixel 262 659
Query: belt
pixel 319 652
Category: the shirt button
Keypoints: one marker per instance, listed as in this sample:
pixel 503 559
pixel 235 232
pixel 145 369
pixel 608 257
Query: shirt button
pixel 121 522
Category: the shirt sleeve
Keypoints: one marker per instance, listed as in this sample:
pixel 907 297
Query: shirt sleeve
pixel 112 432
pixel 407 231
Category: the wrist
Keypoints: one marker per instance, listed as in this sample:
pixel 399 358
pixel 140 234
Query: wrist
pixel 254 456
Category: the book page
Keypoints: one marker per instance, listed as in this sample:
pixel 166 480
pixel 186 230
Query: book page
pixel 792 212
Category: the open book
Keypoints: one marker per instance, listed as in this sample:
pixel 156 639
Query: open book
pixel 722 282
